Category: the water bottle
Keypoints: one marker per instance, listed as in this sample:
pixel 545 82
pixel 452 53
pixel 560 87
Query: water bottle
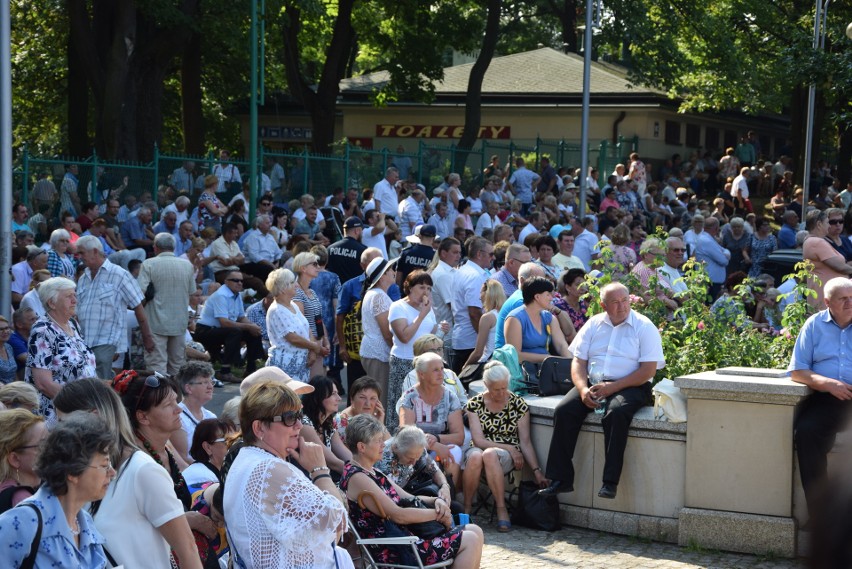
pixel 596 376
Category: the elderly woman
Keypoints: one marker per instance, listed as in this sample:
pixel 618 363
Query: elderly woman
pixel 761 244
pixel 8 365
pixel 319 407
pixel 366 397
pixel 306 266
pixel 140 517
pixel 59 262
pixel 437 411
pixel 196 384
pixel 410 317
pixel 652 252
pixel 736 241
pixel 828 262
pixel 57 352
pixel 532 328
pixel 276 515
pixel 210 209
pixel 373 497
pixel 208 451
pixel 377 339
pixel 407 464
pixel 21 433
pixel 292 345
pixel 75 466
pixel 430 343
pixel 19 395
pixel 500 431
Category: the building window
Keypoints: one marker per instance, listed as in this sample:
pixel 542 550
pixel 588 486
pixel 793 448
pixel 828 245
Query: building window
pixel 711 138
pixel 673 132
pixel 693 135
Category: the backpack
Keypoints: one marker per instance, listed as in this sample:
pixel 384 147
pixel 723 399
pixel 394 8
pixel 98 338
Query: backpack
pixel 7 494
pixel 353 332
pixel 508 356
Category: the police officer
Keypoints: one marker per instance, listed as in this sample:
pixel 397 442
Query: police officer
pixel 344 257
pixel 419 255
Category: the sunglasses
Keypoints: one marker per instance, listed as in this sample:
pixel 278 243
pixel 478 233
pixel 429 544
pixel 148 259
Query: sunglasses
pixel 835 221
pixel 151 381
pixel 235 280
pixel 289 418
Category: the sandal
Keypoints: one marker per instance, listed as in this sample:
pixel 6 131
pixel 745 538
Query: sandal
pixel 503 526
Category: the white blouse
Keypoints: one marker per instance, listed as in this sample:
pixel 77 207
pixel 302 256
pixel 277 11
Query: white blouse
pixel 276 517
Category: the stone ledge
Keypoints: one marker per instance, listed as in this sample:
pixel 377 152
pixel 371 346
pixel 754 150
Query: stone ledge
pixel 646 527
pixel 732 531
pixel 744 385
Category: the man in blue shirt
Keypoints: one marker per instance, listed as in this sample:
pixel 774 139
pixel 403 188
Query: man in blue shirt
pixel 787 233
pixel 350 294
pixel 223 323
pixel 821 360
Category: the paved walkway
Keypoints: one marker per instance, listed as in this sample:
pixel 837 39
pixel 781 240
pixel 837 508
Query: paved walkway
pixel 571 547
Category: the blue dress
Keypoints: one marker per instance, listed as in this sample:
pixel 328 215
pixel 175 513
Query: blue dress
pixel 533 341
pixel 9 366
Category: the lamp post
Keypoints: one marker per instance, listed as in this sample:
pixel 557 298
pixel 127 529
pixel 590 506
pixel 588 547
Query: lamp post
pixel 5 158
pixel 591 5
pixel 820 19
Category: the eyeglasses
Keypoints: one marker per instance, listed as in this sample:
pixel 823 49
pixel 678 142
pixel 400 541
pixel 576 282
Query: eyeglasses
pixel 235 280
pixel 289 418
pixel 219 440
pixel 835 221
pixel 151 381
pixel 315 264
pixel 105 467
pixel 5 329
pixel 265 203
pixel 678 249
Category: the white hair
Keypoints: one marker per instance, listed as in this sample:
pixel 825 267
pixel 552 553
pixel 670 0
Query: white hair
pixel 495 371
pixel 89 243
pixel 50 289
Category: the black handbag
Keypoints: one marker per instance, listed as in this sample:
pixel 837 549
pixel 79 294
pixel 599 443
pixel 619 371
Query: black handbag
pixel 471 372
pixel 552 376
pixel 536 511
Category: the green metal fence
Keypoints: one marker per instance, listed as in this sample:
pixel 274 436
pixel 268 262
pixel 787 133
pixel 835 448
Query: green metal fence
pixel 348 166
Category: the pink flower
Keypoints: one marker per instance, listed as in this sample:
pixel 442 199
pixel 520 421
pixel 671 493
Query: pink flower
pixel 701 325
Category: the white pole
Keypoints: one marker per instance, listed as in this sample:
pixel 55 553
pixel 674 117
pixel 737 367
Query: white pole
pixel 584 124
pixel 5 160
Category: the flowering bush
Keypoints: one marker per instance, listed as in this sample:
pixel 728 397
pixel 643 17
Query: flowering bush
pixel 696 339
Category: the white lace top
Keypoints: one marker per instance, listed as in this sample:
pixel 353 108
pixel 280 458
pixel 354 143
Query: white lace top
pixel 276 517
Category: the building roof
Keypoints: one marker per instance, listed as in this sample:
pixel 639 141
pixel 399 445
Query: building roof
pixel 541 72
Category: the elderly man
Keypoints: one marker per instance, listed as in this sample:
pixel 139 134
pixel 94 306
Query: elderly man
pixel 385 194
pixel 516 255
pixel 261 250
pixel 344 256
pixel 820 361
pixel 787 233
pixel 709 251
pixel 305 202
pixel 104 293
pixel 121 258
pixel 183 240
pixel 22 273
pixel 223 323
pixel 441 219
pixel 467 306
pixel 183 178
pixel 625 348
pixel 670 272
pixel 136 231
pixel 173 281
pixel 411 212
pixel 489 219
pixel 22 322
pixel 228 257
pixel 167 224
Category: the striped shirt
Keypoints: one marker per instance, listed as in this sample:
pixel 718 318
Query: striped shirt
pixel 102 305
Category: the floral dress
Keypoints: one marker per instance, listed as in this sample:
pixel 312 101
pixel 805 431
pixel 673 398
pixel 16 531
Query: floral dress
pixel 578 317
pixel 760 250
pixel 205 218
pixel 280 321
pixel 68 358
pixel 442 548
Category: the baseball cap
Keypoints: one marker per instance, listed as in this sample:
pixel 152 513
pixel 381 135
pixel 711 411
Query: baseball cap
pixel 425 230
pixel 353 222
pixel 272 373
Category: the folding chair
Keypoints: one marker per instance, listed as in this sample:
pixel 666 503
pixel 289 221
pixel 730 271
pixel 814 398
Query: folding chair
pixel 484 494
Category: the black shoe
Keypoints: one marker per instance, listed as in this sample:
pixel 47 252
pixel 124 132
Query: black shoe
pixel 556 487
pixel 608 491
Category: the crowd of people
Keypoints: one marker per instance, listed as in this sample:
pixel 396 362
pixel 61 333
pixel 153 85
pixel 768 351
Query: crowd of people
pixel 395 301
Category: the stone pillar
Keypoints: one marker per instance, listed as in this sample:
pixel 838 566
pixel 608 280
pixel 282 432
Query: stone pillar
pixel 739 461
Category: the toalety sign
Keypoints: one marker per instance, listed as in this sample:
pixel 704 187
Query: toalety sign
pixel 438 131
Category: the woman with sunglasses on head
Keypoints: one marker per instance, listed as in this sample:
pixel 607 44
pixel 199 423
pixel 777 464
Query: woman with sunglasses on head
pixel 275 514
pixel 307 268
pixel 21 433
pixel 141 515
pixel 75 465
pixel 208 450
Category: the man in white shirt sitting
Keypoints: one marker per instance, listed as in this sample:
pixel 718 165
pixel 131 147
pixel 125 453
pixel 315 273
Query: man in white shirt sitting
pixel 489 219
